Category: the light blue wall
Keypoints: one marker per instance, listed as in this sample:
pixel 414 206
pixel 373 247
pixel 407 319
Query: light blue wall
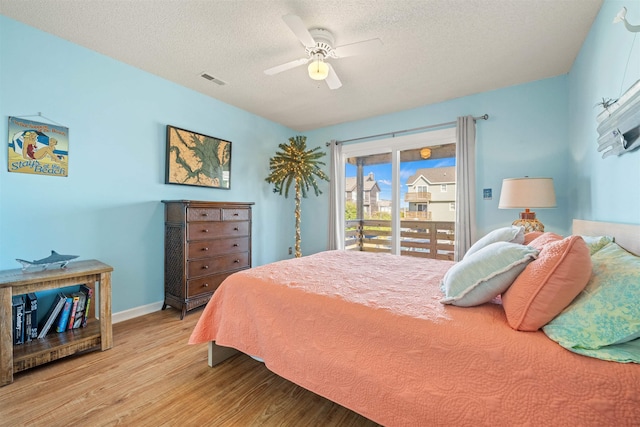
pixel 608 64
pixel 109 208
pixel 526 134
pixel 544 128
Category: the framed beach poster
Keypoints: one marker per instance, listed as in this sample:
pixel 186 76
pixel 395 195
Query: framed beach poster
pixel 197 159
pixel 38 148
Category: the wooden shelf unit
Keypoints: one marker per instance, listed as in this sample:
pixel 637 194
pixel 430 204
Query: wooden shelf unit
pixel 96 335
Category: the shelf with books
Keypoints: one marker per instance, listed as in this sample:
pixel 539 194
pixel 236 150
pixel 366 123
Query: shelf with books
pixel 56 346
pixel 97 335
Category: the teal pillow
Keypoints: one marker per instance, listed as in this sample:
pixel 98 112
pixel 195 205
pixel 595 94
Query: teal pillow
pixel 513 234
pixel 486 273
pixel 607 311
pixel 595 243
pixel 626 352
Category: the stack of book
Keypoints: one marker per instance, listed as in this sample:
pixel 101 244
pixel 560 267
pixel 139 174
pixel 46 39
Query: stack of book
pixel 67 312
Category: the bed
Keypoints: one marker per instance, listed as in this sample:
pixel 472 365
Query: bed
pixel 376 338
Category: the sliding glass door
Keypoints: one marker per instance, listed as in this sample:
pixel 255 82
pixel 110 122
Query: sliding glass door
pixel 368 203
pixel 400 195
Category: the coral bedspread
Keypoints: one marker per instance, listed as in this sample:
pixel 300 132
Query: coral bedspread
pixel 368 331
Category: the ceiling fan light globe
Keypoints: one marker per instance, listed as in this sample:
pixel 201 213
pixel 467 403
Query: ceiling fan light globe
pixel 318 70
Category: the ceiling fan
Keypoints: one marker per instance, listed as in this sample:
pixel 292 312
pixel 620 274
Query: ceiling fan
pixel 318 45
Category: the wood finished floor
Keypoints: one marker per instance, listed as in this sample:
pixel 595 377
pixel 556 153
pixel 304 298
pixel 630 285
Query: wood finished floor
pixel 152 377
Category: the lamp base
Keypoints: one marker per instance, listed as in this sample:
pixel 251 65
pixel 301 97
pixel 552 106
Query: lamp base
pixel 529 225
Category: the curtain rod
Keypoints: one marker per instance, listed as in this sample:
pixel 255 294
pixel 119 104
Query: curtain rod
pixel 483 117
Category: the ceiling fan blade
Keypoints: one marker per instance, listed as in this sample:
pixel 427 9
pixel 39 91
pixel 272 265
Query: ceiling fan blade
pixel 284 67
pixel 332 79
pixel 299 29
pixel 357 48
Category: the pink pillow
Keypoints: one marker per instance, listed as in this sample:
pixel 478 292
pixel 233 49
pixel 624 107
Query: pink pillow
pixel 548 284
pixel 543 239
pixel 528 237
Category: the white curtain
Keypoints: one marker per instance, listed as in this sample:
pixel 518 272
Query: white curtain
pixel 466 184
pixel 336 227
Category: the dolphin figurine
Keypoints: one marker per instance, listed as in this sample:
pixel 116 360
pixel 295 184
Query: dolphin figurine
pixel 54 258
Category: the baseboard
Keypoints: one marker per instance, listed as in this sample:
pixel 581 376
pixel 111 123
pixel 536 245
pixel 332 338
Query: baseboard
pixel 135 312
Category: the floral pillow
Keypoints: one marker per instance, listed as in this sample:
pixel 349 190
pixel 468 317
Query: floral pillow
pixel 595 243
pixel 607 311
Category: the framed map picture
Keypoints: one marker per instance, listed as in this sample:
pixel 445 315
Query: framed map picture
pixel 38 148
pixel 197 159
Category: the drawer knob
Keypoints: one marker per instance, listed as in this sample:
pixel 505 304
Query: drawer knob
pixel 235 245
pixel 205 267
pixel 236 261
pixel 206 285
pixel 205 230
pixel 205 214
pixel 235 228
pixel 235 214
pixel 205 249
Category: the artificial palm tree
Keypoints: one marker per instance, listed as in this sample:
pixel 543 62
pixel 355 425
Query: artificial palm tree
pixel 294 163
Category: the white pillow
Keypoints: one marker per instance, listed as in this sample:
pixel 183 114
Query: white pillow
pixel 485 274
pixel 513 234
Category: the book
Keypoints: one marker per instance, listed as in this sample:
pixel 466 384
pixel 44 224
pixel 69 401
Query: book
pixel 64 315
pixel 75 297
pixel 17 312
pixel 31 317
pixel 52 314
pixel 77 321
pixel 89 292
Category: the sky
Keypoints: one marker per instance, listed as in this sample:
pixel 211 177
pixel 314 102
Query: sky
pixel 382 173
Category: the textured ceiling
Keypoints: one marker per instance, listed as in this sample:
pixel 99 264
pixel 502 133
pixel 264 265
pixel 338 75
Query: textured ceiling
pixel 433 50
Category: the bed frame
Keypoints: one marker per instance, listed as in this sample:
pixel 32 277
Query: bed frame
pixel 626 235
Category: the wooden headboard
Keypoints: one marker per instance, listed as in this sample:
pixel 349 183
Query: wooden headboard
pixel 626 235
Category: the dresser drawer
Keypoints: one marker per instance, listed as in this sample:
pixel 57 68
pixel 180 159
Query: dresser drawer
pixel 218 264
pixel 204 242
pixel 209 248
pixel 205 284
pixel 235 214
pixel 203 214
pixel 214 230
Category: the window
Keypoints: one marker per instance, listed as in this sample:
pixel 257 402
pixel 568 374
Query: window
pixel 443 188
pixel 402 222
pixel 452 206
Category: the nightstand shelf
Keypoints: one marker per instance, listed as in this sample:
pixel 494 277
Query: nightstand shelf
pixel 96 335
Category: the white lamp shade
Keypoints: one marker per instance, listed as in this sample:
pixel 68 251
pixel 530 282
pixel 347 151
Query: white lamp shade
pixel 527 193
pixel 318 70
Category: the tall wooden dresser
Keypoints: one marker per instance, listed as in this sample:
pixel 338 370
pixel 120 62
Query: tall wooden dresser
pixel 204 242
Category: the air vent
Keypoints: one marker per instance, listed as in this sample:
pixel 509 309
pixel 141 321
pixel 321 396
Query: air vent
pixel 212 79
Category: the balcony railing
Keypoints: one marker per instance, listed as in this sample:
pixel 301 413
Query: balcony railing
pixel 418 197
pixel 423 215
pixel 427 239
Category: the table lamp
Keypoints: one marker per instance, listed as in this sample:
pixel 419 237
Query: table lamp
pixel 526 193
